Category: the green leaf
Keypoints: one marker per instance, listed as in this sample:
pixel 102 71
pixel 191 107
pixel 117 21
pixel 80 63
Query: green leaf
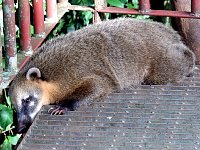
pixel 3 107
pixel 116 3
pixel 6 116
pixel 130 5
pixel 75 2
pixel 2 39
pixel 71 27
pixel 32 29
pixel 87 2
pixel 14 139
pixel 87 17
pixel 6 145
pixel 8 127
pixel 8 99
pixel 143 17
pixel 135 4
pixel 124 1
pixel 59 27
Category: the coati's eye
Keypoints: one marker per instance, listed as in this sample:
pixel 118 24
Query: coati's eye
pixel 27 100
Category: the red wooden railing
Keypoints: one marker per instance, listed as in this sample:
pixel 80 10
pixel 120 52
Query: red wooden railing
pixel 54 12
pixel 146 10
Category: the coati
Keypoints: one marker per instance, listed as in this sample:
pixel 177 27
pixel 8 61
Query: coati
pixel 87 64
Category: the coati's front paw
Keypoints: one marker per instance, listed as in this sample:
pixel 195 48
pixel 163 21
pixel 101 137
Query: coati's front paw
pixel 58 110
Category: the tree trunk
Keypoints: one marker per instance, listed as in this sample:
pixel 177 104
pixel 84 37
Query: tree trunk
pixel 189 28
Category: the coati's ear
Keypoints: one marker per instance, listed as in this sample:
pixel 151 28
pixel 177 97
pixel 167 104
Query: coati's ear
pixel 33 73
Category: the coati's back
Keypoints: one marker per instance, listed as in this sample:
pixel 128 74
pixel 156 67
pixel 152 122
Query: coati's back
pixel 89 63
pixel 131 41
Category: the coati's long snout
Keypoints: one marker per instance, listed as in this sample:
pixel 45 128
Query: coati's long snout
pixel 88 64
pixel 28 101
pixel 24 121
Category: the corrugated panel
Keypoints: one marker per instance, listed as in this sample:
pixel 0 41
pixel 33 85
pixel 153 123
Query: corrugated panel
pixel 145 117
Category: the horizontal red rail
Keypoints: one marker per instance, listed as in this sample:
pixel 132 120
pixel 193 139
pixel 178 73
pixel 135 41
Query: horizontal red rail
pixel 167 13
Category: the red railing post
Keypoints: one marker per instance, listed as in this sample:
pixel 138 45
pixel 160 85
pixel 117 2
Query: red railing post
pixel 24 26
pixel 10 35
pixel 51 9
pixel 38 17
pixel 144 5
pixel 195 7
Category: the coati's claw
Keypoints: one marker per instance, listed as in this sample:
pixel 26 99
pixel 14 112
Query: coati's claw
pixel 57 110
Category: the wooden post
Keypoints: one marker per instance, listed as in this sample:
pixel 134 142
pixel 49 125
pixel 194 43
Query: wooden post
pixel 10 35
pixel 195 7
pixel 52 10
pixel 189 28
pixel 1 67
pixel 24 26
pixel 144 5
pixel 38 17
pixel 99 4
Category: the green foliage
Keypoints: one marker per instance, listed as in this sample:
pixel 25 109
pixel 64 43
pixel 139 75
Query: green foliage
pixel 87 17
pixel 116 3
pixel 74 20
pixel 71 21
pixel 168 6
pixel 6 121
pixel 6 114
pixel 124 3
pixel 9 141
pixel 82 2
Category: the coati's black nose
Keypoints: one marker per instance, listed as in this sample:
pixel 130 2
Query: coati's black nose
pixel 24 122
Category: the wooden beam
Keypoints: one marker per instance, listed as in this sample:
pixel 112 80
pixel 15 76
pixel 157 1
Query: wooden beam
pixel 189 28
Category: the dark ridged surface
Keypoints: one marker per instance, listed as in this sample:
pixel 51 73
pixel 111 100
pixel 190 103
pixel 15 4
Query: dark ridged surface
pixel 144 117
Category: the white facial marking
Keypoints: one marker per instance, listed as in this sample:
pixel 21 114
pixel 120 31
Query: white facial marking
pixel 37 109
pixel 32 103
pixel 23 94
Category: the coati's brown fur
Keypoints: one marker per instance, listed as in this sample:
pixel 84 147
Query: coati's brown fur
pixel 90 63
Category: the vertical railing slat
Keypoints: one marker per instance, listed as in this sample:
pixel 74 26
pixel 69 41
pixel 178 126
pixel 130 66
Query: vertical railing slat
pixel 144 5
pixel 195 7
pixel 99 4
pixel 10 35
pixel 51 9
pixel 24 26
pixel 38 18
